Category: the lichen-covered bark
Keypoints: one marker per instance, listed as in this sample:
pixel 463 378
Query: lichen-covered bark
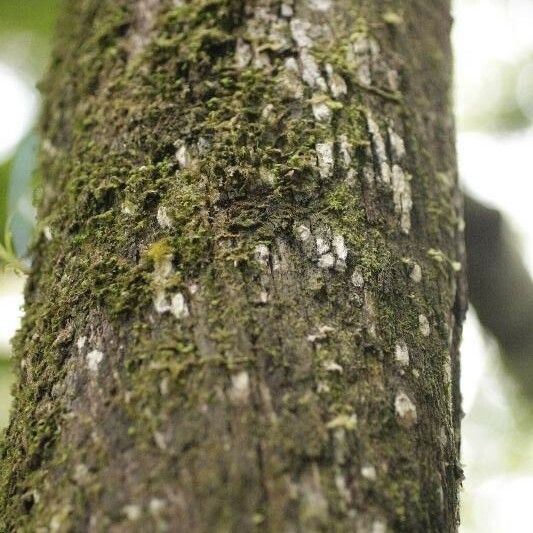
pixel 247 291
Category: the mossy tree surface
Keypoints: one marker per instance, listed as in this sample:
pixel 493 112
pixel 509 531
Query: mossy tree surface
pixel 246 293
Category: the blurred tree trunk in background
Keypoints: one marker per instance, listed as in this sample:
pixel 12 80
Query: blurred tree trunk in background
pixel 247 296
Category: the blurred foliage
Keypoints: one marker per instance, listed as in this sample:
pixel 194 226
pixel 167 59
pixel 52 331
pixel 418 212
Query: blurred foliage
pixel 506 104
pixel 4 187
pixel 35 16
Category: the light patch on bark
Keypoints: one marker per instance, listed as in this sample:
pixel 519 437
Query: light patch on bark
pixel 139 37
pixel 314 502
pixel 397 146
pixel 423 326
pixel 286 10
pixel 160 300
pixel 320 5
pixel 243 54
pixel 156 506
pixel 369 472
pixel 303 233
pixel 178 306
pixel 160 440
pixel 183 155
pixel 163 218
pixel 326 261
pixel 80 343
pixel 299 29
pixel 341 251
pixel 405 410
pixel 311 71
pixel 132 512
pixel 401 353
pixel 357 279
pixel 416 273
pixel 93 360
pixel 346 422
pixel 47 232
pixel 378 144
pixel 262 255
pixel 323 332
pixel 240 387
pixel 401 194
pixel 324 152
pixel 332 366
pixel 321 111
pixel 336 83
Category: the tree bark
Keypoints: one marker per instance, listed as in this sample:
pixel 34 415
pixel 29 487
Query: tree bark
pixel 247 291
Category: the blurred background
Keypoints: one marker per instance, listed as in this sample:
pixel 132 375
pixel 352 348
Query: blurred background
pixel 493 42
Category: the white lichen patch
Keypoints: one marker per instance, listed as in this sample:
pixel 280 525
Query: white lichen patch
pixel 321 111
pixel 243 54
pixel 401 194
pixel 163 218
pixel 405 410
pixel 183 155
pixel 397 146
pixel 161 303
pixel 132 512
pixel 268 111
pixel 303 232
pixel 416 273
pixel 310 71
pixel 262 255
pixel 357 279
pixel 362 54
pixel 326 261
pixel 332 366
pixel 369 472
pixel 320 5
pixel 401 353
pixel 93 360
pixel 323 333
pixel 81 473
pixel 80 343
pixel 378 526
pixel 324 153
pixel 156 506
pixel 240 387
pixel 286 9
pixel 346 422
pixel 345 150
pixel 47 232
pixel 160 440
pixel 336 83
pixel 339 246
pixel 322 243
pixel 423 326
pixel 178 306
pixel 299 29
pixel 380 150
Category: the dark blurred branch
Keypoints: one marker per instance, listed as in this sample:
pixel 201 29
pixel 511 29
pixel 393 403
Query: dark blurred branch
pixel 501 288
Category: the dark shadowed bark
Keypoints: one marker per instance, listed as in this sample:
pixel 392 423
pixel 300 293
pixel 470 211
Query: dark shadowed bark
pixel 247 291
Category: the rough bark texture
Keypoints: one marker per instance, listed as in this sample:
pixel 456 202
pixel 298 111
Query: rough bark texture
pixel 246 297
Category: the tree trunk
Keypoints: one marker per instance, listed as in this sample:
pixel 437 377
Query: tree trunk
pixel 245 305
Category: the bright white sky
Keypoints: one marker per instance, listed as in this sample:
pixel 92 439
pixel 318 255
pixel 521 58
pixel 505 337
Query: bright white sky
pixel 498 170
